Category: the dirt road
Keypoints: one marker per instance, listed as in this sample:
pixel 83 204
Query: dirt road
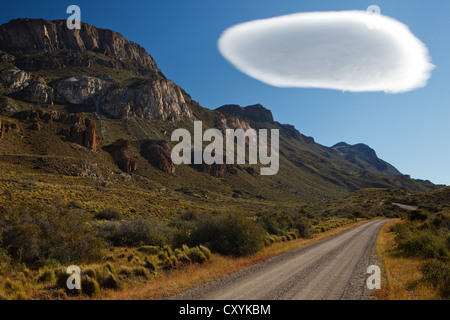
pixel 334 268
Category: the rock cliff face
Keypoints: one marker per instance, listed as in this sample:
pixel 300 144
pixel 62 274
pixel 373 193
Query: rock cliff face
pixel 36 93
pixel 158 154
pixel 15 78
pixel 29 36
pixel 156 99
pixel 365 158
pixel 255 112
pixel 120 151
pixel 231 122
pixel 39 44
pixel 82 131
pixel 78 89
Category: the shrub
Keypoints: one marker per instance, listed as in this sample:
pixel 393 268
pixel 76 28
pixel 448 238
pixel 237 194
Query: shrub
pixel 126 272
pixel 61 278
pixel 417 215
pixel 149 249
pixel 151 263
pixel 110 281
pixel 134 232
pixel 174 261
pixel 438 274
pixel 303 225
pixel 89 272
pixel 162 255
pixel 108 214
pixel 61 281
pixel 110 268
pixel 231 234
pixel 167 263
pixel 168 250
pixel 205 251
pixel 38 234
pixel 277 223
pixel 47 276
pixel 196 255
pixel 89 286
pixel 181 234
pixel 182 256
pixel 140 272
pixel 422 243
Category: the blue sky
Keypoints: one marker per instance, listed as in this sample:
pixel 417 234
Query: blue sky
pixel 409 130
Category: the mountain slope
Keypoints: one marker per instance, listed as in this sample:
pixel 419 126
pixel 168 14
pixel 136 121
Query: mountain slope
pixel 91 104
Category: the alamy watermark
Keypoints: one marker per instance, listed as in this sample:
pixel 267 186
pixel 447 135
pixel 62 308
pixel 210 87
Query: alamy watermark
pixel 222 150
pixel 74 21
pixel 374 281
pixel 372 12
pixel 74 280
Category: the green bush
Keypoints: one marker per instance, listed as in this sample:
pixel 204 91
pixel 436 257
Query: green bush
pixel 151 263
pixel 438 274
pixel 182 256
pixel 422 243
pixel 47 276
pixel 110 281
pixel 230 234
pixel 108 214
pixel 168 250
pixel 33 235
pixel 140 272
pixel 417 215
pixel 89 286
pixel 89 272
pixel 126 272
pixel 149 249
pixel 135 232
pixel 197 256
pixel 277 223
pixel 205 251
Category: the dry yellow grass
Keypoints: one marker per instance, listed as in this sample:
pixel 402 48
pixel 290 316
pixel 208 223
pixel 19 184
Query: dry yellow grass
pixel 402 275
pixel 218 266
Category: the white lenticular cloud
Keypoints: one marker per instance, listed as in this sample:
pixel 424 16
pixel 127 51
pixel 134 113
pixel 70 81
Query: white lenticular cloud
pixel 346 50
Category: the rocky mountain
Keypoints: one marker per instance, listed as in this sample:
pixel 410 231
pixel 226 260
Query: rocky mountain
pixel 365 158
pixel 30 36
pixel 91 104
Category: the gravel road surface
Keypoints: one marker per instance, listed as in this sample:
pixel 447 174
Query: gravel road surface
pixel 334 268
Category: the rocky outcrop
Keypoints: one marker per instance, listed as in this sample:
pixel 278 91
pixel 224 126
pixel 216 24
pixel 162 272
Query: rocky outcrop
pixel 6 105
pixel 38 115
pixel 217 170
pixel 365 158
pixel 35 93
pixel 84 134
pixel 154 99
pixel 231 122
pixel 158 154
pixel 255 112
pixel 42 45
pixel 15 78
pixel 78 89
pixel 6 126
pixel 30 36
pixel 120 151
